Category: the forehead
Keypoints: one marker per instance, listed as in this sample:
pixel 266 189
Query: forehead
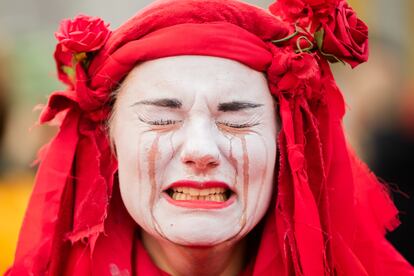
pixel 185 77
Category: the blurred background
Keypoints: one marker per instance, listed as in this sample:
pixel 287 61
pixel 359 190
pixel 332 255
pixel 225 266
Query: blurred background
pixel 380 98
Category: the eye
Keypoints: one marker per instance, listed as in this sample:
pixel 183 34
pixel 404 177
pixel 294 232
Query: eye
pixel 160 122
pixel 235 125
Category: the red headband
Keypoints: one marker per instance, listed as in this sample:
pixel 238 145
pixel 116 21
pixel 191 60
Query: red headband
pixel 220 39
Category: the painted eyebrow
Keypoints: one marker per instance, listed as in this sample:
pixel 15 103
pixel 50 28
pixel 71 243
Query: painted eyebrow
pixel 166 102
pixel 236 106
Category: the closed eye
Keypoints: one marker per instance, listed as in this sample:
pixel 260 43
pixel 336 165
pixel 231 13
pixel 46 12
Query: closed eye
pixel 161 122
pixel 233 125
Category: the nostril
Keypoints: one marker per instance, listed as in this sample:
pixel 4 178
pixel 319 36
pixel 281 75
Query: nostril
pixel 189 162
pixel 204 162
pixel 212 164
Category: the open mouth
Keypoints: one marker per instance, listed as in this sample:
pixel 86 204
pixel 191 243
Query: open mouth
pixel 204 195
pixel 210 194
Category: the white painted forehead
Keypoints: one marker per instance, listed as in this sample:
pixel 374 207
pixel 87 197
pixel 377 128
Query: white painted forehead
pixel 169 71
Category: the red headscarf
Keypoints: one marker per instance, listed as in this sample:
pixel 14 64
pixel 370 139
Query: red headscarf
pixel 330 213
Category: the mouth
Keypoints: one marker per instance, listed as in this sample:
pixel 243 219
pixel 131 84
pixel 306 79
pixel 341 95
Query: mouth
pixel 204 195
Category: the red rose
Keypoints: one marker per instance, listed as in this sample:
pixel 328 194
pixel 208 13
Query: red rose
pixel 294 73
pixel 301 68
pixel 301 12
pixel 304 66
pixel 82 34
pixel 345 36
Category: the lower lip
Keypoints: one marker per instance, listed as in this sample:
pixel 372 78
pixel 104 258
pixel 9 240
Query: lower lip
pixel 200 204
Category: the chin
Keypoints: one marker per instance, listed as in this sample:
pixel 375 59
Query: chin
pixel 200 233
pixel 198 227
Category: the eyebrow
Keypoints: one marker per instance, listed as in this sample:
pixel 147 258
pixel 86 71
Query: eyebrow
pixel 177 104
pixel 170 103
pixel 236 106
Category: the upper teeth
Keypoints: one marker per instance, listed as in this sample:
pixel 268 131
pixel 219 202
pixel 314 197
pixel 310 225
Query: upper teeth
pixel 199 192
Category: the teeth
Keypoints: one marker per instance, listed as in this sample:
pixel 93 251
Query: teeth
pixel 199 192
pixel 205 192
pixel 187 193
pixel 193 192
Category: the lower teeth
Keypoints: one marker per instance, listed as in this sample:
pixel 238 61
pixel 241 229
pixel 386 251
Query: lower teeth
pixel 216 197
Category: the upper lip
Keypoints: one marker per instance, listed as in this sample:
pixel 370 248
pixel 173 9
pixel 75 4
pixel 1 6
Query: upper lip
pixel 199 184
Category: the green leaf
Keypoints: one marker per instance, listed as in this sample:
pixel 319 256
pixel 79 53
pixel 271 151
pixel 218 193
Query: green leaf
pixel 69 72
pixel 319 38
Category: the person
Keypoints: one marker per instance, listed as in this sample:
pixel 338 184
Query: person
pixel 205 138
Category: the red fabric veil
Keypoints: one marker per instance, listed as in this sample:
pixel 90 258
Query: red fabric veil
pixel 330 213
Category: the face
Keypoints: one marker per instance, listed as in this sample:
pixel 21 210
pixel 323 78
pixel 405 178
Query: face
pixel 195 138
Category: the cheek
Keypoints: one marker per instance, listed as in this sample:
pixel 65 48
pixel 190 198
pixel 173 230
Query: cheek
pixel 142 159
pixel 129 172
pixel 133 150
pixel 127 149
pixel 261 151
pixel 262 156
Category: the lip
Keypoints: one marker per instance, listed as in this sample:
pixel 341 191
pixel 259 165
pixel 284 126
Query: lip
pixel 200 204
pixel 199 185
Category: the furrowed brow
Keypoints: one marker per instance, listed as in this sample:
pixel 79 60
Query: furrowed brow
pixel 170 103
pixel 236 106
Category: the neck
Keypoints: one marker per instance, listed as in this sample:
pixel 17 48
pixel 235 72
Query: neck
pixel 223 259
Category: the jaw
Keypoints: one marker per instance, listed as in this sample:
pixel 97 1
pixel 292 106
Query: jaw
pixel 198 226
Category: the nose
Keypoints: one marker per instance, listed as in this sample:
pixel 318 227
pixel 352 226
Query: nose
pixel 200 151
pixel 200 162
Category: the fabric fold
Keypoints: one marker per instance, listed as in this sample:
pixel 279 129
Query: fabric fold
pixel 41 223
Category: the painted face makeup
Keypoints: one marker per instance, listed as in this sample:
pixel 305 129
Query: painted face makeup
pixel 196 144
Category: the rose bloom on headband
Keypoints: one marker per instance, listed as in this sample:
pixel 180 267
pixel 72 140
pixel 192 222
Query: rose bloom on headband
pixel 204 137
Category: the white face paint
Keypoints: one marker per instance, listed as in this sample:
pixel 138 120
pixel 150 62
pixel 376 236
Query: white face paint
pixel 195 138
